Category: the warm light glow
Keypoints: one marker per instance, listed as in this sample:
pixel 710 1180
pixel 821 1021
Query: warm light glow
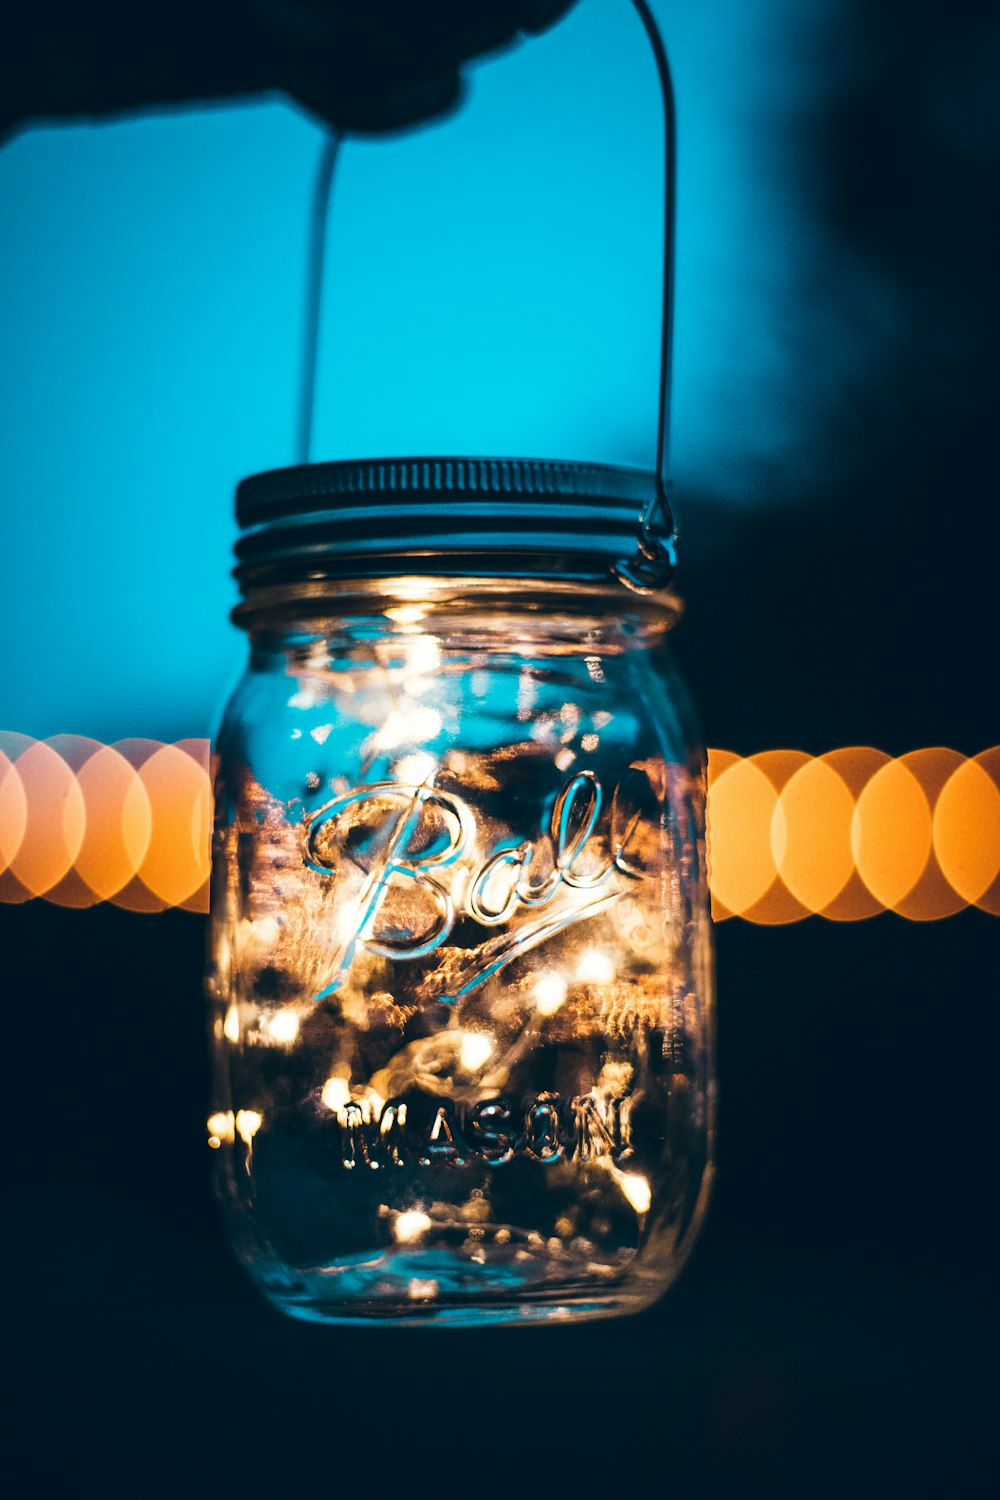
pixel 637 1191
pixel 178 859
pixel 415 769
pixel 119 822
pixel 231 1025
pixel 741 805
pixel 282 1027
pixel 220 1128
pixel 13 810
pixel 475 1048
pixel 846 834
pixel 410 1226
pixel 891 833
pixel 594 967
pixel 422 654
pixel 549 993
pixel 811 835
pixel 336 1093
pixel 966 830
pixel 248 1122
pixel 55 820
pixel 410 726
pixel 266 931
pixel 406 614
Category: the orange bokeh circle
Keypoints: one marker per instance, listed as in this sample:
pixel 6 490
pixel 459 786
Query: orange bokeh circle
pixel 202 811
pixel 717 762
pixel 741 802
pixel 933 896
pixel 812 841
pixel 55 823
pixel 855 765
pixel 967 830
pixel 777 906
pixel 119 822
pixel 177 861
pixel 74 889
pixel 136 895
pixel 891 833
pixel 13 814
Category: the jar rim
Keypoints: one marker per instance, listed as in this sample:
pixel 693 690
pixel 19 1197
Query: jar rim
pixel 320 604
pixel 486 517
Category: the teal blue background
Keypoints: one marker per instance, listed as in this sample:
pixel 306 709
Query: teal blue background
pixel 492 288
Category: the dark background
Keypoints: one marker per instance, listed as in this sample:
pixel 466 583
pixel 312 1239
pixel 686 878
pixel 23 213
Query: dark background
pixel 832 1332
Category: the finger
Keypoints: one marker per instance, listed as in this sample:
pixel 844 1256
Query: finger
pixel 389 64
pixel 539 15
pixel 368 106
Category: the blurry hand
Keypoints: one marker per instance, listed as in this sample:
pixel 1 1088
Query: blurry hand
pixel 363 65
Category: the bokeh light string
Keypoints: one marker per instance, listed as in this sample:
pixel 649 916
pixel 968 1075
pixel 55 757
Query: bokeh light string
pixel 853 832
pixel 82 822
pixel 844 835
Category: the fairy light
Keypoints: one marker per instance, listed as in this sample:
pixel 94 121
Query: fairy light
pixel 637 1191
pixel 595 967
pixel 415 769
pixel 474 1050
pixel 549 993
pixel 336 1093
pixel 220 1128
pixel 282 1027
pixel 412 724
pixel 266 930
pixel 410 1226
pixel 406 614
pixel 248 1122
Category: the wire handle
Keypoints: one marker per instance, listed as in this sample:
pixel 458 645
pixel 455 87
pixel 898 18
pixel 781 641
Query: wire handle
pixel 654 560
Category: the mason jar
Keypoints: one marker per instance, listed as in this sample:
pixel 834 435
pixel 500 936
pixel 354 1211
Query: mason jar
pixel 461 976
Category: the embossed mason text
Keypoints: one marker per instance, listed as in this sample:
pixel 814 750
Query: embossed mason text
pixel 433 1133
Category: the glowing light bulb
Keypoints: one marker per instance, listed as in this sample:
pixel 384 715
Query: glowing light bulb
pixel 412 725
pixel 220 1128
pixel 283 1027
pixel 423 654
pixel 266 930
pixel 336 1093
pixel 637 1191
pixel 405 614
pixel 549 993
pixel 410 1226
pixel 595 967
pixel 475 1048
pixel 248 1122
pixel 415 769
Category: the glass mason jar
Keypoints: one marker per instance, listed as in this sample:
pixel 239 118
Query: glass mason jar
pixel 461 977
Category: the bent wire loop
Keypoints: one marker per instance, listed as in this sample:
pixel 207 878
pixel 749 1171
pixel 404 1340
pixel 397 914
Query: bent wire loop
pixel 653 562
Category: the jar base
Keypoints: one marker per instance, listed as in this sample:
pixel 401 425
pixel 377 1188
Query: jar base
pixel 424 1312
pixel 438 1290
